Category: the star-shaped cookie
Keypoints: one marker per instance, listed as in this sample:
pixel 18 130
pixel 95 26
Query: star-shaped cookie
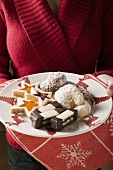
pixel 24 108
pixel 23 89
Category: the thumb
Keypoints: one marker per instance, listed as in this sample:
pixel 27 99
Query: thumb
pixel 110 87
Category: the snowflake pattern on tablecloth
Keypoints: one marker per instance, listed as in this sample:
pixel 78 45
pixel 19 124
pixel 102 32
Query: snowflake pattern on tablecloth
pixel 74 155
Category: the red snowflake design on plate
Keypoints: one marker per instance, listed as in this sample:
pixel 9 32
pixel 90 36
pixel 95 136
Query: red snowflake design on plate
pixel 26 79
pixel 81 83
pixel 98 100
pixel 17 121
pixel 89 121
pixel 10 100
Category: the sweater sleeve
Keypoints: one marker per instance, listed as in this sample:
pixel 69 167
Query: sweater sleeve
pixel 105 62
pixel 4 57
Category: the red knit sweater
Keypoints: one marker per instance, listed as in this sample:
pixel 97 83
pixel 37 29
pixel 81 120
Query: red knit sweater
pixel 37 41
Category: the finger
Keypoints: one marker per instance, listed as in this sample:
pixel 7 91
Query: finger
pixel 109 92
pixel 110 87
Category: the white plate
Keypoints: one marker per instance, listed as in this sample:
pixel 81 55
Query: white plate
pixel 101 110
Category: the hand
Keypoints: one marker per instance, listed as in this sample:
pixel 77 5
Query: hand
pixel 108 80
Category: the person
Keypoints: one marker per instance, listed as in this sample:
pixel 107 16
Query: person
pixel 54 35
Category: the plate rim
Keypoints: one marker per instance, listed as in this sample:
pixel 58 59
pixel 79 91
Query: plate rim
pixel 47 73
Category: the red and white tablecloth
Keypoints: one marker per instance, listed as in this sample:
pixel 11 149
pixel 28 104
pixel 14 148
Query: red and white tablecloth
pixel 87 151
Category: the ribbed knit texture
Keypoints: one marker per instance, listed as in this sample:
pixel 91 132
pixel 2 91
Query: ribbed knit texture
pixel 73 10
pixel 12 142
pixel 41 25
pixel 38 42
